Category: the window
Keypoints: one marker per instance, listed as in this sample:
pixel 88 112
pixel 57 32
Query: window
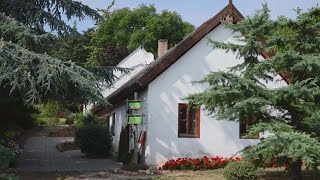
pixel 243 127
pixel 113 125
pixel 188 121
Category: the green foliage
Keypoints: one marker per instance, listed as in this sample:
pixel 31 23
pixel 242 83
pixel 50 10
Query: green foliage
pixel 94 140
pixel 16 32
pixel 52 113
pixel 38 77
pixel 55 121
pixel 51 109
pixel 290 112
pixel 123 153
pixel 72 47
pixel 124 30
pixel 271 127
pixel 70 120
pixel 240 170
pixel 92 135
pixel 9 132
pixel 34 76
pixel 14 112
pixel 7 157
pixel 52 13
pixel 85 120
pixel 286 148
pixel 8 177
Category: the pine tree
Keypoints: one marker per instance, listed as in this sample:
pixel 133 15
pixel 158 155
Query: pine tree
pixel 38 76
pixel 38 13
pixel 72 47
pixel 27 71
pixel 291 113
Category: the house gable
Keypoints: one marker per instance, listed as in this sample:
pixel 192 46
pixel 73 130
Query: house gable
pixel 142 79
pixel 136 62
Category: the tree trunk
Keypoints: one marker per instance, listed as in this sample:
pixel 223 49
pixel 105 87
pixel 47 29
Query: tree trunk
pixel 295 170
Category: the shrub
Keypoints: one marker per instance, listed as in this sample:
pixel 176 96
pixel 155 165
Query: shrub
pixel 13 146
pixel 51 109
pixel 14 111
pixel 51 113
pixel 198 163
pixel 10 132
pixel 44 121
pixel 8 177
pixel 123 152
pixel 127 157
pixel 7 157
pixel 71 119
pixel 241 170
pixel 94 140
pixel 85 120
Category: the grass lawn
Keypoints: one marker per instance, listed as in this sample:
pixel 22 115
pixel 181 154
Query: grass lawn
pixel 192 175
pixel 213 175
pixel 263 174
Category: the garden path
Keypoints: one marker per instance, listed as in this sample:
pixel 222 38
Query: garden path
pixel 41 155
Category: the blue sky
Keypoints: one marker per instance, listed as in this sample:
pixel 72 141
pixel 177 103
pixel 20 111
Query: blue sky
pixel 198 11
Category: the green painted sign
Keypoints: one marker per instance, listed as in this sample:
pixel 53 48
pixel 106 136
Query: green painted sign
pixel 134 119
pixel 134 104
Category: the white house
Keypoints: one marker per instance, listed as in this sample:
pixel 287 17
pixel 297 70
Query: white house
pixel 173 131
pixel 135 62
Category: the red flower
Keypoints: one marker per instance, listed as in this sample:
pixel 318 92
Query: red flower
pixel 197 164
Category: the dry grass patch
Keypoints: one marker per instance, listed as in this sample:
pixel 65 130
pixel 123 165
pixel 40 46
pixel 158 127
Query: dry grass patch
pixel 192 175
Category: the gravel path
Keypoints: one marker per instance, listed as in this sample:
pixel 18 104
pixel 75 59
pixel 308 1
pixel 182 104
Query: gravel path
pixel 41 155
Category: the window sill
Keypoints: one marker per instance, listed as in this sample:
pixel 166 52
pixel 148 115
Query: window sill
pixel 188 136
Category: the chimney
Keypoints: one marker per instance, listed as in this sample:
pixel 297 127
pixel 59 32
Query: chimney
pixel 162 47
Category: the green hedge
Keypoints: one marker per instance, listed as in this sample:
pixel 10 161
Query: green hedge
pixel 7 157
pixel 123 151
pixel 240 170
pixel 94 140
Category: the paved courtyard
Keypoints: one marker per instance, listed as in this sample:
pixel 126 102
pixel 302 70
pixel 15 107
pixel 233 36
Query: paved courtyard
pixel 40 154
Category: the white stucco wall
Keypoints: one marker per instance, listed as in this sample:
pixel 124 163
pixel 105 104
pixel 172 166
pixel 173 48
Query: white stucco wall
pixel 120 121
pixel 167 90
pixel 121 118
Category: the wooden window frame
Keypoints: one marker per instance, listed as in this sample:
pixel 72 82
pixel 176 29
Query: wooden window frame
pixel 197 134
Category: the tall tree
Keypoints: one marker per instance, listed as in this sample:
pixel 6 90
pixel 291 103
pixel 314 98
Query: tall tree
pixel 72 47
pixel 36 76
pixel 291 113
pixel 38 13
pixel 123 30
pixel 32 75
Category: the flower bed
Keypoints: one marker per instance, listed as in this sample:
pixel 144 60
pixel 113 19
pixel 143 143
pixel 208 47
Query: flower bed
pixel 198 163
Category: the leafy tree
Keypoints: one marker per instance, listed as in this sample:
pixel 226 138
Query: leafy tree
pixel 291 112
pixel 123 30
pixel 72 47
